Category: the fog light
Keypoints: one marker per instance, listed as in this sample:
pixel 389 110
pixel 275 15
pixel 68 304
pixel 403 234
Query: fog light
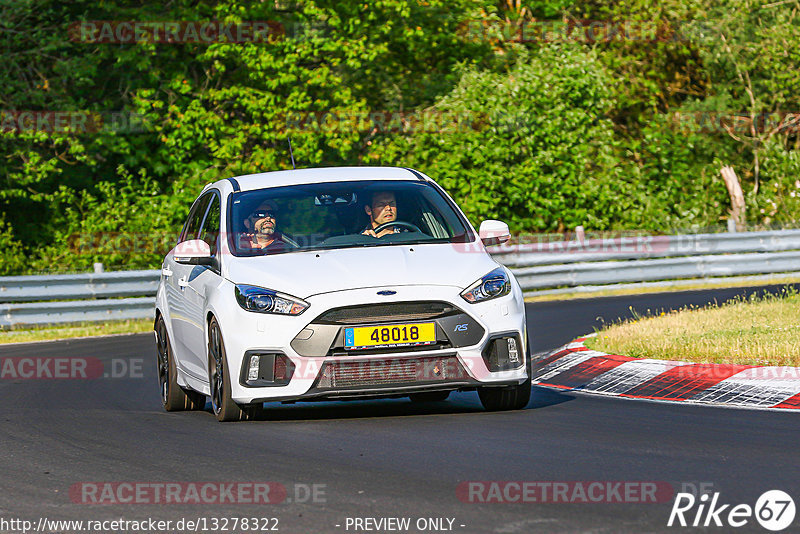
pixel 264 369
pixel 252 373
pixel 502 354
pixel 513 355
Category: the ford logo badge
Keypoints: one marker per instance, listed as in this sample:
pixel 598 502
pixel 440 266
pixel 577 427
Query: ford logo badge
pixel 387 292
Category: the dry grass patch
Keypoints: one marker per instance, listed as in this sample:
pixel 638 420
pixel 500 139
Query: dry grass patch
pixel 50 333
pixel 754 331
pixel 621 290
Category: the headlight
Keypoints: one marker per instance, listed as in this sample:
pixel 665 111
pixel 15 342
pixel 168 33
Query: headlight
pixel 493 285
pixel 261 300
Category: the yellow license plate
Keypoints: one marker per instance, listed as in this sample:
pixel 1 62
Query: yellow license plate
pixel 395 335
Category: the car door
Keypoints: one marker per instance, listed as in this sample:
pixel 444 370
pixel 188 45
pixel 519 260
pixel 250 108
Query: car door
pixel 201 282
pixel 176 285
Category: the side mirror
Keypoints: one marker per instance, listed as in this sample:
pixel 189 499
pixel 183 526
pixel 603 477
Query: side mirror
pixel 193 252
pixel 494 232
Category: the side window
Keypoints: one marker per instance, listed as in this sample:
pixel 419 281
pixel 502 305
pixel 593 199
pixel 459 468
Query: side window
pixel 192 227
pixel 210 231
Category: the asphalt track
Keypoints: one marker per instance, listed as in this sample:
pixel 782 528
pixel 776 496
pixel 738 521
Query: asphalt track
pixel 386 458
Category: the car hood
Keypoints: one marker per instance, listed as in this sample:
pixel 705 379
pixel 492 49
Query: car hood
pixel 304 274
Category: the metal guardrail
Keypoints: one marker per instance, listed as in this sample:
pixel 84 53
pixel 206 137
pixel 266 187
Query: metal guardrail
pixel 76 311
pixel 644 247
pixel 540 267
pixel 75 298
pixel 610 272
pixel 78 286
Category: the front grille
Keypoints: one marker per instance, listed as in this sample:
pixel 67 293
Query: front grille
pixel 394 311
pixel 405 371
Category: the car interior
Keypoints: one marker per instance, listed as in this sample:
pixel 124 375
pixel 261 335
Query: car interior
pixel 337 217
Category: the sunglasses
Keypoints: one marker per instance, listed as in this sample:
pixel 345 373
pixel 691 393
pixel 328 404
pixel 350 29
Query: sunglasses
pixel 262 214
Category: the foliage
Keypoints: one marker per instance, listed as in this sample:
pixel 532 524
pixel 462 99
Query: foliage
pixel 541 153
pixel 12 260
pixel 751 58
pixel 530 146
pixel 566 132
pixel 778 201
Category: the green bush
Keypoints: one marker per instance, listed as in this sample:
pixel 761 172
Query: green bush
pixel 547 136
pixel 778 201
pixel 533 148
pixel 543 155
pixel 12 259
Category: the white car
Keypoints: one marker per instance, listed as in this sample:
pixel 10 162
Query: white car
pixel 336 283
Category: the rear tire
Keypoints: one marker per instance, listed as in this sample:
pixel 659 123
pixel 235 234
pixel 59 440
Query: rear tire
pixel 429 396
pixel 223 406
pixel 173 397
pixel 496 399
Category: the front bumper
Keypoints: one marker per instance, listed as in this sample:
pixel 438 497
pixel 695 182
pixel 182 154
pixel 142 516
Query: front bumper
pixel 322 368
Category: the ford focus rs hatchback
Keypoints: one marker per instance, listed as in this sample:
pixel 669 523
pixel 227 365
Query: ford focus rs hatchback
pixel 337 283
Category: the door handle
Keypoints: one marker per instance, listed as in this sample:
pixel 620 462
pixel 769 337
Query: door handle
pixel 183 282
pixel 166 271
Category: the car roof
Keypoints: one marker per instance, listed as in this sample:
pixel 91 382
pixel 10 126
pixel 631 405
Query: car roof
pixel 323 174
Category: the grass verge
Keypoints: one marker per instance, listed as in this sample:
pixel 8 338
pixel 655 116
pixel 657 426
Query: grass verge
pixel 699 285
pixel 750 331
pixel 50 333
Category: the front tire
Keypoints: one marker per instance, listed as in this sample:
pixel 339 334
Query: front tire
pixel 225 409
pixel 173 397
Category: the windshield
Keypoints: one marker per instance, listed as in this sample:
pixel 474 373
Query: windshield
pixel 278 220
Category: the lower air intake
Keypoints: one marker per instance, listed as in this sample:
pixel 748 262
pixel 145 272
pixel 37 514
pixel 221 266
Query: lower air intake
pixel 347 374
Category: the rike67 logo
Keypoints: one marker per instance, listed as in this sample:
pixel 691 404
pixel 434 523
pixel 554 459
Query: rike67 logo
pixel 774 510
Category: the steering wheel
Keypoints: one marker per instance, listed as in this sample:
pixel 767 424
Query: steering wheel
pixel 381 227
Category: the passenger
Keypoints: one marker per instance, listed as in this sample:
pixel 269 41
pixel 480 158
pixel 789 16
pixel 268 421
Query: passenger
pixel 262 230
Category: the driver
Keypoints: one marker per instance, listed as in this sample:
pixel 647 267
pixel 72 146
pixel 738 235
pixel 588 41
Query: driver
pixel 381 209
pixel 262 227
